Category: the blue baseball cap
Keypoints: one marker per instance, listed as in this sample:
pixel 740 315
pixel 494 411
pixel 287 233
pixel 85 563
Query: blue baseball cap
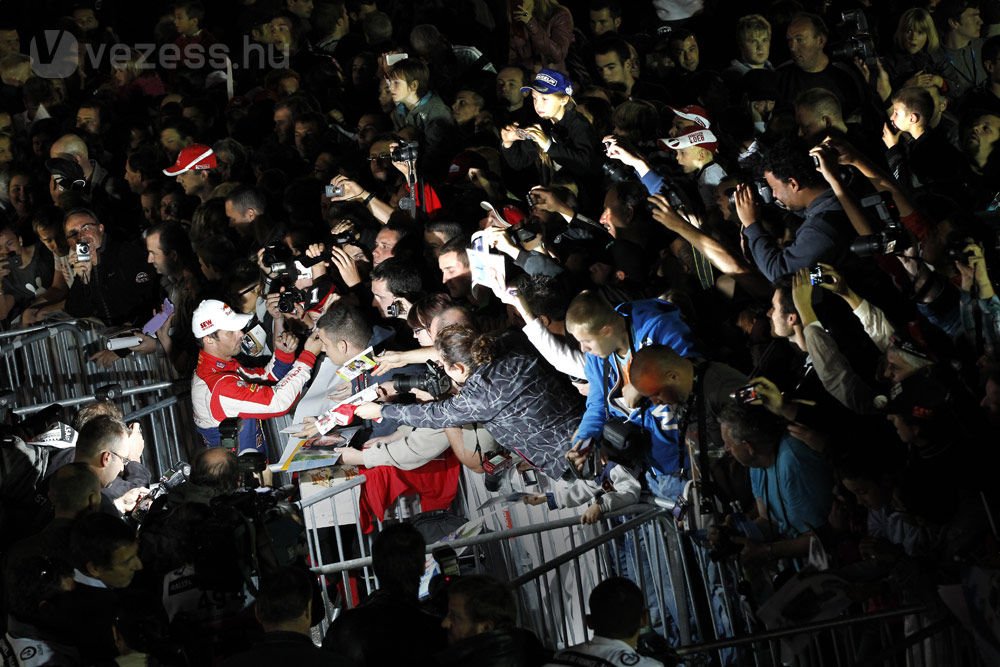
pixel 549 81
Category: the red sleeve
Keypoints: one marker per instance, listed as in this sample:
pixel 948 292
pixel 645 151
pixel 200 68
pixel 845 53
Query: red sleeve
pixel 916 224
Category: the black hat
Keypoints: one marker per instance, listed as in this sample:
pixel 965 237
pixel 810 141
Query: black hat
pixel 68 174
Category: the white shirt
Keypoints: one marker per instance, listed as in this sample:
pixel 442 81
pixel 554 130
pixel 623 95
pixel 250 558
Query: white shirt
pixel 612 651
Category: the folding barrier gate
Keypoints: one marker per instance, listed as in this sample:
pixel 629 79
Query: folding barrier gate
pixel 48 363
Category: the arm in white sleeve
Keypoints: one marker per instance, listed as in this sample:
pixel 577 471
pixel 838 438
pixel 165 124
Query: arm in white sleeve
pixel 411 451
pixel 875 323
pixel 836 374
pixel 564 358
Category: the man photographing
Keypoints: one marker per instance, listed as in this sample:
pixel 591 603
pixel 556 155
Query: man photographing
pixel 114 282
pixel 222 388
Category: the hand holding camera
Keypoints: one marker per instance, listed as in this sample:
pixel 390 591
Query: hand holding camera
pixel 81 261
pixel 341 188
pixel 766 393
pixel 523 12
pixel 510 134
pixel 802 293
pixel 665 214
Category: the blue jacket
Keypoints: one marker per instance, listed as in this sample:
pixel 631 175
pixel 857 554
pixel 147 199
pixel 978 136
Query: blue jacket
pixel 651 322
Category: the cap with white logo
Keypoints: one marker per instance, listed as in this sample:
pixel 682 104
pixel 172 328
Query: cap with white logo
pixel 212 315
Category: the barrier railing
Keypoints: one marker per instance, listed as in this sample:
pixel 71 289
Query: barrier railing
pixel 49 364
pixel 340 501
pixel 554 563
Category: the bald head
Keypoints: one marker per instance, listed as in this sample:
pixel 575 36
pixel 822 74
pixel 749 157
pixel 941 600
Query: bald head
pixel 660 374
pixel 71 145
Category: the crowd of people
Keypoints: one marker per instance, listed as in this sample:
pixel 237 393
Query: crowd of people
pixel 736 255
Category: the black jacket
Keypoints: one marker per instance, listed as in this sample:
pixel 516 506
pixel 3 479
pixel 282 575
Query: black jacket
pixel 514 647
pixel 123 287
pixel 574 146
pixel 390 629
pixel 277 648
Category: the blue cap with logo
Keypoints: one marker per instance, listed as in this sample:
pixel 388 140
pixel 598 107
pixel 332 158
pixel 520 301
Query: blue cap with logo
pixel 549 81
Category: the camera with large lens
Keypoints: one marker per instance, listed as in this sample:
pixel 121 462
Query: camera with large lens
pixel 405 151
pixel 434 381
pixel 625 443
pixel 859 43
pixel 893 239
pixel 617 172
pixel 290 297
pixel 759 189
pixel 956 252
pixel 171 479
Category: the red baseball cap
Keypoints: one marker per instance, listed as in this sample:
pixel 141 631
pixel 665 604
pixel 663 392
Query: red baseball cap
pixel 694 113
pixel 195 156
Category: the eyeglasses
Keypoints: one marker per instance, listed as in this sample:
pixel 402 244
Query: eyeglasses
pixel 124 459
pixel 246 291
pixel 73 233
pixel 380 157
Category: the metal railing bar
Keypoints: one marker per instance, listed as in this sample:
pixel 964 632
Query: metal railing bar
pixel 797 630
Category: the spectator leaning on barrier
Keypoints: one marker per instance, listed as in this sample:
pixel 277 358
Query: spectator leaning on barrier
pixel 114 282
pixel 610 337
pixel 791 483
pixel 222 389
pixel 528 407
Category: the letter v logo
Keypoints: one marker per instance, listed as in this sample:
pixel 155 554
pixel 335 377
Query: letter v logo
pixel 54 54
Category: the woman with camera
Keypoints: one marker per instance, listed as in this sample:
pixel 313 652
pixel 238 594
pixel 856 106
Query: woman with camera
pixel 527 406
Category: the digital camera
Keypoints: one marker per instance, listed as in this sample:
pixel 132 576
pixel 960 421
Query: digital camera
pixel 746 394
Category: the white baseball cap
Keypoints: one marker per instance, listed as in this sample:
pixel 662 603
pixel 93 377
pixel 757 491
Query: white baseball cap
pixel 212 315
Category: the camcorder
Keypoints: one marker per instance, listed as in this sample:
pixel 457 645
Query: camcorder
pixel 434 381
pixel 405 151
pixel 859 43
pixel 893 239
pixel 759 189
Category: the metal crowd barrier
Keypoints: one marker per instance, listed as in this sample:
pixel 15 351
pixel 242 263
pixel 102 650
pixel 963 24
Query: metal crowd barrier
pixel 49 363
pixel 554 562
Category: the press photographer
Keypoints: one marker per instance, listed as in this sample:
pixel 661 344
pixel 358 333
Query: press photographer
pixel 206 546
